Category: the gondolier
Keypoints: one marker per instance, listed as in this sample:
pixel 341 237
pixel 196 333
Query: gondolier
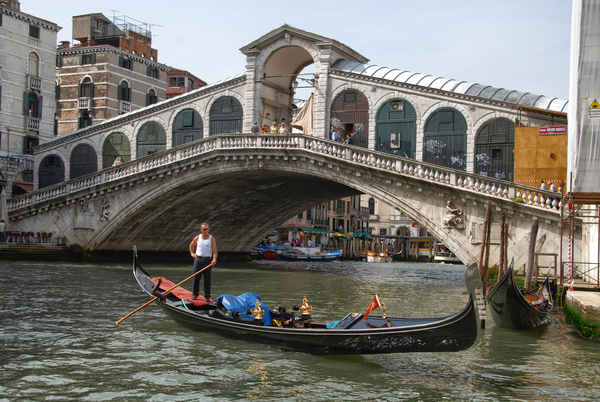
pixel 203 249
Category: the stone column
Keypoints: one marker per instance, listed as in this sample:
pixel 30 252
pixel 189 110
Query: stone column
pixel 251 109
pixel 321 119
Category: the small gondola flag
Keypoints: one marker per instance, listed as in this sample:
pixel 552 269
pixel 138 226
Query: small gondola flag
pixel 374 304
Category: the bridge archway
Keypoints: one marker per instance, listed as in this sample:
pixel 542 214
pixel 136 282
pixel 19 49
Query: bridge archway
pixel 349 113
pixel 226 115
pixel 396 128
pixel 51 171
pixel 151 138
pixel 187 126
pixel 445 139
pixel 83 161
pixel 116 145
pixel 494 146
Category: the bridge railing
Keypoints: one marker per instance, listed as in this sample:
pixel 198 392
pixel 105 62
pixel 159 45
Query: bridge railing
pixel 376 159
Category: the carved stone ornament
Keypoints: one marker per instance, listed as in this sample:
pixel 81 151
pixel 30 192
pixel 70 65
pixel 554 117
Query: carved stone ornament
pixel 287 38
pixel 105 216
pixel 453 216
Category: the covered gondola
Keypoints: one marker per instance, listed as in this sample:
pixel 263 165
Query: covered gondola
pixel 512 306
pixel 295 330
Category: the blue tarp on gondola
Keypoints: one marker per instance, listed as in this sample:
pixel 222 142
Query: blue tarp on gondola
pixel 244 302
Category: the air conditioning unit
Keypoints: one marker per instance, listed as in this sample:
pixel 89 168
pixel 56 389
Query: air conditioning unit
pixel 396 105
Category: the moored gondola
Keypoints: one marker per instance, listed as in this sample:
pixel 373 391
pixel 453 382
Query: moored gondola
pixel 294 330
pixel 513 306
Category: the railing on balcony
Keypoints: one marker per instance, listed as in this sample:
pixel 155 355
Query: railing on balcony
pixel 124 107
pixel 34 82
pixel 84 103
pixel 33 123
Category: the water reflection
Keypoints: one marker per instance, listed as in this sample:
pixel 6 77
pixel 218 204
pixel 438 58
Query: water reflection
pixel 59 340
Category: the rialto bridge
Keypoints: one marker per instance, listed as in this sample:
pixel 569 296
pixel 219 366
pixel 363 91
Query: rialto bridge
pixel 420 142
pixel 246 184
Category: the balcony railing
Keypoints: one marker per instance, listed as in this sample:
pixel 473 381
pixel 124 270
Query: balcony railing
pixel 124 107
pixel 33 123
pixel 34 82
pixel 84 104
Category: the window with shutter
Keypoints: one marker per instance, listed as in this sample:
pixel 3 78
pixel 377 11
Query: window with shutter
pixel 188 118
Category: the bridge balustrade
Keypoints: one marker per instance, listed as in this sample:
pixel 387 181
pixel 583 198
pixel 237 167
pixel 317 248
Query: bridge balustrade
pixel 380 160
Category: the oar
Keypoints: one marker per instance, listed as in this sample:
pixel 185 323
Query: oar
pixel 164 294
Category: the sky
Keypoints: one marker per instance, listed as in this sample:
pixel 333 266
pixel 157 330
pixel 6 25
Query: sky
pixel 519 45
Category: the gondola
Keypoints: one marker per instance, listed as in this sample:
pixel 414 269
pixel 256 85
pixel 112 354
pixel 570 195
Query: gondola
pixel 511 306
pixel 294 330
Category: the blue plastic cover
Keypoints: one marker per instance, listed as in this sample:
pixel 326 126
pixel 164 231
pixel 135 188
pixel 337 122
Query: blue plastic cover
pixel 243 303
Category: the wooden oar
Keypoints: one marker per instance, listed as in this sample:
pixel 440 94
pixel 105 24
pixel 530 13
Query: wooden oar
pixel 164 294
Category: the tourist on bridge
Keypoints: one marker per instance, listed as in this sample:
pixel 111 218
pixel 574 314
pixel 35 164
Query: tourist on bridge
pixel 265 129
pixel 334 135
pixel 255 127
pixel 283 130
pixel 274 128
pixel 203 249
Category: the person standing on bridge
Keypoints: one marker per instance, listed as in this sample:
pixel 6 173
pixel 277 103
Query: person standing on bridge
pixel 283 130
pixel 274 128
pixel 255 127
pixel 334 135
pixel 203 249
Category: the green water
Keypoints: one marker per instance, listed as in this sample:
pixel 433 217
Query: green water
pixel 59 340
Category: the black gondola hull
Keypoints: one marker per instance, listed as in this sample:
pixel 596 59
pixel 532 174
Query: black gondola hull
pixel 509 308
pixel 448 334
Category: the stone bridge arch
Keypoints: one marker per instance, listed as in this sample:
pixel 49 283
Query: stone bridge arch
pixel 246 185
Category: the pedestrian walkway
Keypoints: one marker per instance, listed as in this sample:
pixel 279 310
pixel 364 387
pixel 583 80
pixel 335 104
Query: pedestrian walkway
pixel 588 303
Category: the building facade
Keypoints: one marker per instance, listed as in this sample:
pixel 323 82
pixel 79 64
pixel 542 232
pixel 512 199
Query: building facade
pixel 181 81
pixel 27 59
pixel 112 70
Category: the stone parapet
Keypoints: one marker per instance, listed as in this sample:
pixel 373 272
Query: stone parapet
pixel 587 303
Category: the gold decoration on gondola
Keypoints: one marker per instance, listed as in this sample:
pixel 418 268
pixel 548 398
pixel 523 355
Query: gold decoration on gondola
pixel 257 312
pixel 305 309
pixel 383 309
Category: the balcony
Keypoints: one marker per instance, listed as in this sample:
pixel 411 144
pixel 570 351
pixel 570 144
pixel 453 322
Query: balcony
pixel 33 123
pixel 84 103
pixel 124 107
pixel 34 82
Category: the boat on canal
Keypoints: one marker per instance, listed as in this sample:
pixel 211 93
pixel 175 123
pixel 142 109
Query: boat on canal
pixel 512 306
pixel 295 330
pixel 307 254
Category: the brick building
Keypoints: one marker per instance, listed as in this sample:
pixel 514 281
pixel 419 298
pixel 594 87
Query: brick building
pixel 112 70
pixel 181 81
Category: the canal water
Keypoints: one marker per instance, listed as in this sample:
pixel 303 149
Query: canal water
pixel 59 340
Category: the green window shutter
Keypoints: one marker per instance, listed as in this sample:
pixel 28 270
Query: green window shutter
pixel 131 64
pixel 91 89
pixel 147 99
pixel 148 71
pixel 128 94
pixel 188 118
pixel 94 58
pixel 79 90
pixel 119 92
pixel 40 106
pixel 81 59
pixel 25 103
pixel 57 92
pixel 120 61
